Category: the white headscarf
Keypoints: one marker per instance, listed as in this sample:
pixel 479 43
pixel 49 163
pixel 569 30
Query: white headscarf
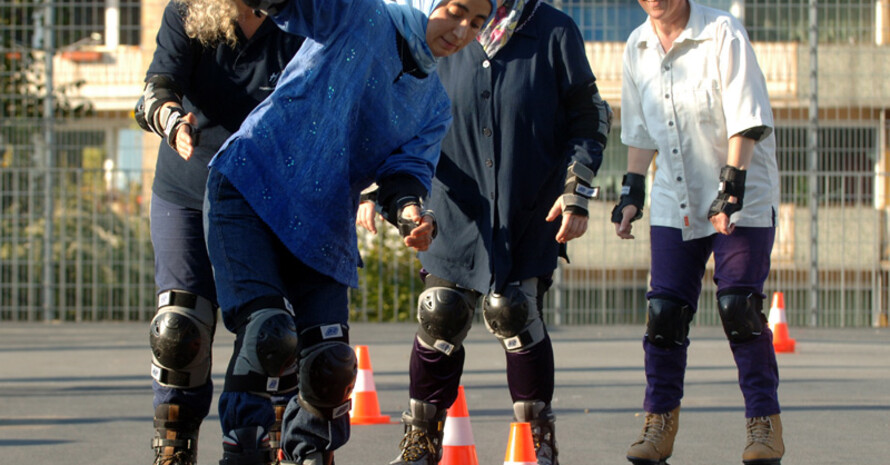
pixel 411 18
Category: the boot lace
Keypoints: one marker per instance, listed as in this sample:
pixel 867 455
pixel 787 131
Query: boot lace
pixel 416 444
pixel 760 430
pixel 656 425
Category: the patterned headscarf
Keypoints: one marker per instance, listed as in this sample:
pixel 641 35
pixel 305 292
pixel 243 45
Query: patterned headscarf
pixel 501 28
pixel 411 18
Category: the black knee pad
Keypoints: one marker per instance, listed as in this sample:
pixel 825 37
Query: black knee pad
pixel 668 322
pixel 265 359
pixel 513 318
pixel 181 336
pixel 328 368
pixel 742 314
pixel 445 316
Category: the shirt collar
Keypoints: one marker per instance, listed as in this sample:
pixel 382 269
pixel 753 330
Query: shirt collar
pixel 695 30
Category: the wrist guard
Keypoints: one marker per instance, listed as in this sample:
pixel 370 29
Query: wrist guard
pixel 732 184
pixel 633 192
pixel 173 119
pixel 578 190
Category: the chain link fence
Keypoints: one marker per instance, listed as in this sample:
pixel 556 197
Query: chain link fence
pixel 75 171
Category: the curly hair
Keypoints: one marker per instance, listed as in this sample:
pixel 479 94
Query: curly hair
pixel 210 21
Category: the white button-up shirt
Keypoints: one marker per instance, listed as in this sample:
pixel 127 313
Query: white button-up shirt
pixel 686 104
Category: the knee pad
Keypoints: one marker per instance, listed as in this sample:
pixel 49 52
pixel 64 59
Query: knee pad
pixel 514 318
pixel 445 316
pixel 668 323
pixel 742 315
pixel 265 359
pixel 181 336
pixel 328 368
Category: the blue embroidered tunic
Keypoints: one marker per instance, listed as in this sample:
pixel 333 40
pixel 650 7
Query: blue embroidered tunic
pixel 342 116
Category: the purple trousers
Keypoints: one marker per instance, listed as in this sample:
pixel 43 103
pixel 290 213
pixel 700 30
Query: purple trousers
pixel 742 261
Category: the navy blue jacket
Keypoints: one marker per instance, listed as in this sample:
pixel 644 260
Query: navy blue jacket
pixel 220 85
pixel 518 124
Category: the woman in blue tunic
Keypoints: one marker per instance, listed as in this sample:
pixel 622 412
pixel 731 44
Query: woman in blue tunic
pixel 359 103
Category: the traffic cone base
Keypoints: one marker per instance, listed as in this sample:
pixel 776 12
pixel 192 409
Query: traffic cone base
pixel 458 446
pixel 365 406
pixel 521 447
pixel 782 341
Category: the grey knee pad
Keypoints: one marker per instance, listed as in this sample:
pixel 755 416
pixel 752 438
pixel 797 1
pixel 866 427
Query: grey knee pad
pixel 181 336
pixel 512 316
pixel 265 359
pixel 668 323
pixel 445 316
pixel 742 315
pixel 328 368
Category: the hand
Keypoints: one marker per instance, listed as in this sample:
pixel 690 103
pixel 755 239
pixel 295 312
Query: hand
pixel 625 227
pixel 366 216
pixel 722 223
pixel 572 227
pixel 420 237
pixel 184 140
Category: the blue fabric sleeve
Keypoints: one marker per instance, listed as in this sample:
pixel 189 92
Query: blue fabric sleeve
pixel 419 156
pixel 318 20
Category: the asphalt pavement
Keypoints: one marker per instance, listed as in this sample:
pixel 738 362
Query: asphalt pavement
pixel 78 394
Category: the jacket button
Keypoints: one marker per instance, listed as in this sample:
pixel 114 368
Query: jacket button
pixel 489 163
pixel 486 94
pixel 486 132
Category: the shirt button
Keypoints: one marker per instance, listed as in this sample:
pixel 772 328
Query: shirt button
pixel 486 64
pixel 486 94
pixel 489 163
pixel 679 178
pixel 486 132
pixel 682 205
pixel 667 95
pixel 675 151
pixel 670 123
pixel 667 68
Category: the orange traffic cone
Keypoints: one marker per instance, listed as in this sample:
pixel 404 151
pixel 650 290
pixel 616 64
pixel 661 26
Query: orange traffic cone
pixel 365 407
pixel 458 447
pixel 521 448
pixel 782 341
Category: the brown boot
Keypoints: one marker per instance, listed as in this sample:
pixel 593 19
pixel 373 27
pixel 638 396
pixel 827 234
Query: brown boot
pixel 765 446
pixel 656 442
pixel 176 437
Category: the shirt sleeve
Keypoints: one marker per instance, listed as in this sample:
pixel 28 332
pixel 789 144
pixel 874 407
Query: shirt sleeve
pixel 318 20
pixel 419 156
pixel 745 97
pixel 174 55
pixel 634 132
pixel 587 115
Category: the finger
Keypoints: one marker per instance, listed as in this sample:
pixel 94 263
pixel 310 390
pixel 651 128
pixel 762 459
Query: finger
pixel 555 210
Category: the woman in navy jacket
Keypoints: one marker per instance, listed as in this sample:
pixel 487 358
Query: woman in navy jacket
pixel 215 61
pixel 511 188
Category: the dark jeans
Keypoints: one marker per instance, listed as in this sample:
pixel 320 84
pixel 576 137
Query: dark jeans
pixel 742 261
pixel 181 262
pixel 251 262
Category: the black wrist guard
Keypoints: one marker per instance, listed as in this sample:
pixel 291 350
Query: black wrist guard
pixel 175 121
pixel 732 184
pixel 633 192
